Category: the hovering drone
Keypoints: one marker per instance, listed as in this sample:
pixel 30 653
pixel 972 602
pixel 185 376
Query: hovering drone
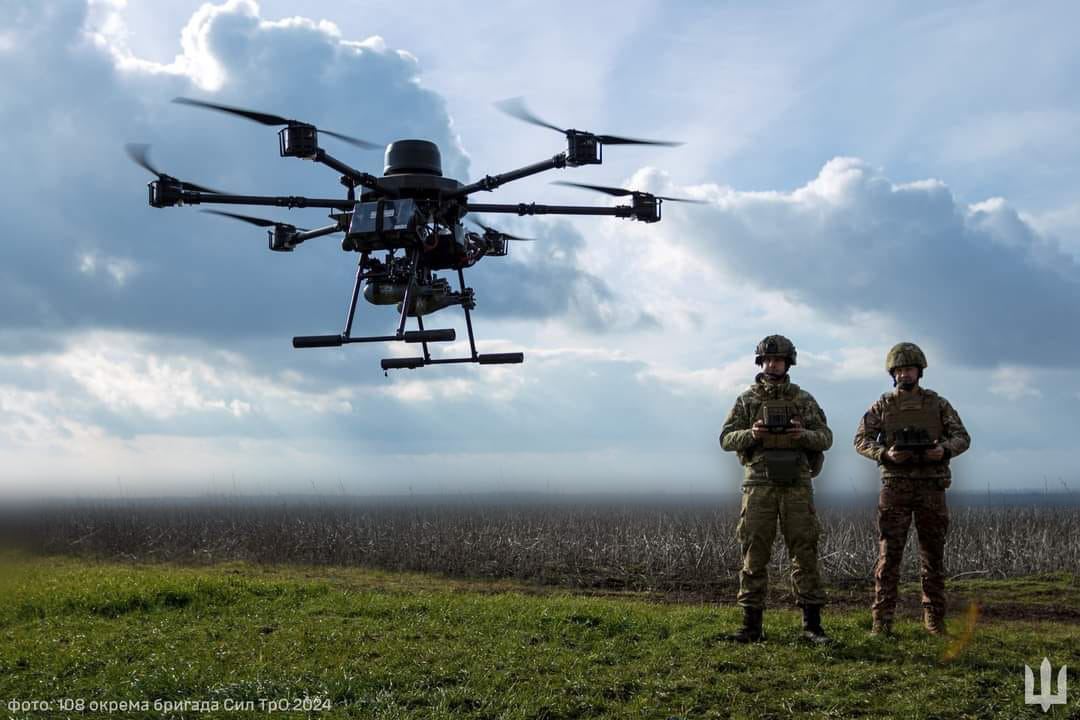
pixel 412 215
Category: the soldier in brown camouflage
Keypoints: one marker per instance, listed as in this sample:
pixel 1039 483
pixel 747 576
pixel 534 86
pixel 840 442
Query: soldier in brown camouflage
pixel 911 433
pixel 780 436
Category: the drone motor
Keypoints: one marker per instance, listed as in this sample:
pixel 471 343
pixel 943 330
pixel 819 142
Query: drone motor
pixel 298 140
pixel 283 237
pixel 582 149
pixel 165 193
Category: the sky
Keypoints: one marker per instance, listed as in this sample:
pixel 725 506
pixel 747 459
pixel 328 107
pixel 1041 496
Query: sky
pixel 871 173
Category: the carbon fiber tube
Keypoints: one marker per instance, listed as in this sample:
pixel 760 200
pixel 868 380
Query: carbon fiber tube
pixel 313 341
pixel 415 336
pixel 500 358
pixel 409 363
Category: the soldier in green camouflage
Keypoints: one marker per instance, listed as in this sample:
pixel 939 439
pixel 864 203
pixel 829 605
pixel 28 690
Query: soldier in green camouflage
pixel 911 433
pixel 780 436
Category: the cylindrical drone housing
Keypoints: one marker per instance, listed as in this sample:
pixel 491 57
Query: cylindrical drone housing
pixel 420 157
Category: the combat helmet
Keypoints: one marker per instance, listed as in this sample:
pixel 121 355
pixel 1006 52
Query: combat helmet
pixel 775 345
pixel 905 354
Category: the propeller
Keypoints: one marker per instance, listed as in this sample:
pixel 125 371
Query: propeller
pixel 488 230
pixel 515 107
pixel 140 155
pixel 619 192
pixel 268 119
pixel 260 222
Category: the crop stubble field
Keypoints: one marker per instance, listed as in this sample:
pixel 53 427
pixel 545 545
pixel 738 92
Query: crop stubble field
pixel 668 546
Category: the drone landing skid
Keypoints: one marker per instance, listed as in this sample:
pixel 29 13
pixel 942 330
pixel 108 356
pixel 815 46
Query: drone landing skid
pixel 421 336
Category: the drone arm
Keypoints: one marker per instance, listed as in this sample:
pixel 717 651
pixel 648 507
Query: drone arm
pixel 490 182
pixel 317 232
pixel 360 178
pixel 189 197
pixel 623 211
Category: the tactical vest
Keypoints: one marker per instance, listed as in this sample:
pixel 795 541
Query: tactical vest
pixel 910 410
pixel 782 452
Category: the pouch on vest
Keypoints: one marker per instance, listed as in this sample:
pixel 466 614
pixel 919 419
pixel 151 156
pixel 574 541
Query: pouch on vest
pixel 782 466
pixel 912 422
pixel 776 416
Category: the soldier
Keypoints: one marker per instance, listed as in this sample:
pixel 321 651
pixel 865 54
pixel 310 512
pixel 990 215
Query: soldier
pixel 911 433
pixel 780 435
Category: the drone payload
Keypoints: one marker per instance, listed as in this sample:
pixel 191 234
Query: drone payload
pixel 412 215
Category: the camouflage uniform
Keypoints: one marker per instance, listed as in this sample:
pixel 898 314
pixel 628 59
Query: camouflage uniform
pixel 765 500
pixel 914 488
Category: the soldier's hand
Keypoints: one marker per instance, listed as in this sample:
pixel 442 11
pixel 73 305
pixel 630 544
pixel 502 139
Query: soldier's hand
pixel 935 454
pixel 796 428
pixel 898 456
pixel 758 430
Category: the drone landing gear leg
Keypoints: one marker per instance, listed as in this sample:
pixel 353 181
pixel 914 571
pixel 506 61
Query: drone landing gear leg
pixel 312 341
pixel 485 359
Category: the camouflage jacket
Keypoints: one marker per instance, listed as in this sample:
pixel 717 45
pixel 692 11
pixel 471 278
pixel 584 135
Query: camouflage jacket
pixel 954 438
pixel 737 437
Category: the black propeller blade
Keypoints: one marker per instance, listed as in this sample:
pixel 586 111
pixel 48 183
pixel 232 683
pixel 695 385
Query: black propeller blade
pixel 140 155
pixel 268 119
pixel 619 192
pixel 506 236
pixel 260 222
pixel 515 107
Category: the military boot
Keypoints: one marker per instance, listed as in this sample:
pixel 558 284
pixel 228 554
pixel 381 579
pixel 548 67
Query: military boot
pixel 811 625
pixel 751 630
pixel 882 627
pixel 934 621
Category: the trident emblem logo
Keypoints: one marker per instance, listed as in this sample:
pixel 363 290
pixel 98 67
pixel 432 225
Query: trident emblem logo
pixel 1046 696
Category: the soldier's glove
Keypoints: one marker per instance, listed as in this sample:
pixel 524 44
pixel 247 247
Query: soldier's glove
pixel 898 456
pixel 758 430
pixel 795 431
pixel 935 454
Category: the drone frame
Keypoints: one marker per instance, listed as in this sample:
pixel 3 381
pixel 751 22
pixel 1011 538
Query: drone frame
pixel 301 140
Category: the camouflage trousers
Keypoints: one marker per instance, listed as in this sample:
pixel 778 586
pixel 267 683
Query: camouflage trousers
pixel 763 507
pixel 900 499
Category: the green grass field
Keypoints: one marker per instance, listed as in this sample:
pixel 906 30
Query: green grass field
pixel 359 643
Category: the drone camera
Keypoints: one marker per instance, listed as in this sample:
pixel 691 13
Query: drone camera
pixel 282 238
pixel 298 140
pixel 582 149
pixel 646 207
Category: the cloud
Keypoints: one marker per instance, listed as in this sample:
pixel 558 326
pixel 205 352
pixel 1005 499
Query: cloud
pixel 977 284
pixel 103 259
pixel 723 382
pixel 546 279
pixel 1014 383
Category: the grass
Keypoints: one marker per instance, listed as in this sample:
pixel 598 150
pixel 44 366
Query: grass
pixel 392 645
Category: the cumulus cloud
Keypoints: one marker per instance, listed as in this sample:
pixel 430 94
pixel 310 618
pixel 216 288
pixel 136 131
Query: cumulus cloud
pixel 977 283
pixel 1014 383
pixel 546 278
pixel 179 272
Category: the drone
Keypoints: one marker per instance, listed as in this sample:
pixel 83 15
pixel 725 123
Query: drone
pixel 408 223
